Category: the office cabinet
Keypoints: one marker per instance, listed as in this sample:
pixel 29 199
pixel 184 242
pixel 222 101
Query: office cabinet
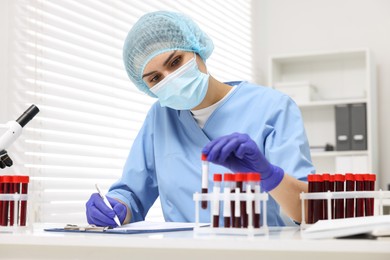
pixel 342 99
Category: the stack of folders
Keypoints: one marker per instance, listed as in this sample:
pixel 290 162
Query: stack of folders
pixel 351 127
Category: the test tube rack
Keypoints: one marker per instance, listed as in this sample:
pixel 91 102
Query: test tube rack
pixel 328 196
pixel 247 196
pixel 15 198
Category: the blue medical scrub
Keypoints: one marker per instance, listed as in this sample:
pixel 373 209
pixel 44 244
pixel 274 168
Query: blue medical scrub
pixel 165 157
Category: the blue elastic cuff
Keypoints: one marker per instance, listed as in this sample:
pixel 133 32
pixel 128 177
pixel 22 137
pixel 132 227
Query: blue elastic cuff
pixel 273 180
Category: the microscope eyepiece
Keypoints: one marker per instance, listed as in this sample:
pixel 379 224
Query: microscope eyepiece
pixel 27 115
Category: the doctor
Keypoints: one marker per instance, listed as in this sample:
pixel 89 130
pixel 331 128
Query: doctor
pixel 241 127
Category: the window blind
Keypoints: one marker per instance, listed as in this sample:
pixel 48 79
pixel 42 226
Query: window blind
pixel 66 58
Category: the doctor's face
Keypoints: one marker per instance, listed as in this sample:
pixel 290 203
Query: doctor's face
pixel 165 63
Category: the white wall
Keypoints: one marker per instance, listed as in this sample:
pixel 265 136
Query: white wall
pixel 293 26
pixel 3 60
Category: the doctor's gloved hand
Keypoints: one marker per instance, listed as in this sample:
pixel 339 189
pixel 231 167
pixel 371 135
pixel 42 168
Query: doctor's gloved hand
pixel 240 153
pixel 100 214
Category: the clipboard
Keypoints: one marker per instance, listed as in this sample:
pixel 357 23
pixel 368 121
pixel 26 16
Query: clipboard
pixel 133 228
pixel 374 226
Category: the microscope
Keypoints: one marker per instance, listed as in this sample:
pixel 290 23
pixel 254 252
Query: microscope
pixel 12 132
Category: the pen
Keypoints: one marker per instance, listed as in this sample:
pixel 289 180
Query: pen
pixel 116 219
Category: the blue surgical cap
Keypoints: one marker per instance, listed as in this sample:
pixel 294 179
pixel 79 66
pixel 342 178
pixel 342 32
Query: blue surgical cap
pixel 159 32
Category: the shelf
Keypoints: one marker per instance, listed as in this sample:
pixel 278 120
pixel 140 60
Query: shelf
pixel 337 153
pixel 324 103
pixel 321 81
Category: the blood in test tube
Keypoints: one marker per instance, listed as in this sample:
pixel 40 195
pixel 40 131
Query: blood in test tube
pixel 369 185
pixel 228 179
pixel 254 184
pixel 215 201
pixel 239 178
pixel 367 202
pixel 318 205
pixel 310 203
pixel 349 203
pixel 227 205
pixel 339 203
pixel 12 190
pixel 326 184
pixel 5 206
pixel 332 188
pixel 244 213
pixel 205 177
pixel 1 200
pixel 23 204
pixel 359 209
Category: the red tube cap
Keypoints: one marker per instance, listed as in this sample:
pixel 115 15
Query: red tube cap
pixel 314 178
pixel 228 177
pixel 349 177
pixel 339 177
pixel 254 176
pixel 217 177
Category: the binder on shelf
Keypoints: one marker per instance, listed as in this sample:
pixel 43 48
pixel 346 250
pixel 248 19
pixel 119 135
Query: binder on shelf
pixel 358 127
pixel 351 127
pixel 343 140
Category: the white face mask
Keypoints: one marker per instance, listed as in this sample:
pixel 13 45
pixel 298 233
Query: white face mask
pixel 184 88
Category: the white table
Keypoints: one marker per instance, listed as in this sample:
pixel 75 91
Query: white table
pixel 281 243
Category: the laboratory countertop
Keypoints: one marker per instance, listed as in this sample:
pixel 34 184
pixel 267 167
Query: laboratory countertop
pixel 280 243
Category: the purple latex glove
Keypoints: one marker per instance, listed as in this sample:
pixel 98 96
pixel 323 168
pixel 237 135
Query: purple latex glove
pixel 99 214
pixel 239 153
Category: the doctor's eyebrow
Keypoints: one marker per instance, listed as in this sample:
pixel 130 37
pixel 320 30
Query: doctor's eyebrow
pixel 164 64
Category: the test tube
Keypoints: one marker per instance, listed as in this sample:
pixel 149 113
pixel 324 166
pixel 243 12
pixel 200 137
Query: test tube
pixel 5 206
pixel 13 188
pixel 326 183
pixel 226 205
pixel 254 183
pixel 349 203
pixel 339 203
pixel 228 179
pixel 24 180
pixel 369 185
pixel 310 203
pixel 238 177
pixel 317 205
pixel 205 177
pixel 216 190
pixel 1 200
pixel 359 209
pixel 331 189
pixel 244 212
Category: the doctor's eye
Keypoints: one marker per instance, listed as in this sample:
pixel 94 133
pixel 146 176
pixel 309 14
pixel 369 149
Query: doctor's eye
pixel 176 61
pixel 154 79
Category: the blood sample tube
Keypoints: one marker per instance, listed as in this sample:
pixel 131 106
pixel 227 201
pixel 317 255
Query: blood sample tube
pixel 254 184
pixel 230 178
pixel 205 177
pixel 244 212
pixel 215 201
pixel 12 190
pixel 326 183
pixel 5 208
pixel 1 200
pixel 359 209
pixel 315 207
pixel 226 203
pixel 310 203
pixel 349 203
pixel 239 178
pixel 23 204
pixel 339 203
pixel 369 206
pixel 332 188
